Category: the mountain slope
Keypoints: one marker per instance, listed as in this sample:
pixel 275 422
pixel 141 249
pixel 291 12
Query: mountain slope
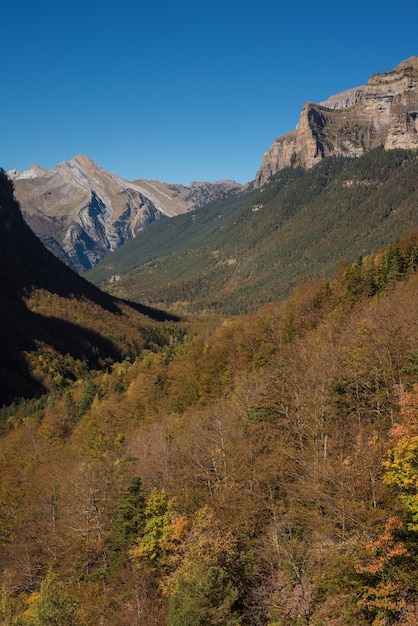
pixel 234 256
pixel 52 321
pixel 384 112
pixel 81 211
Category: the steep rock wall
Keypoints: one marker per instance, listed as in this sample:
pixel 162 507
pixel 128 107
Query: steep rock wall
pixel 382 112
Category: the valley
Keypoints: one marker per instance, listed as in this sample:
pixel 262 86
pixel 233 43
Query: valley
pixel 220 426
pixel 232 257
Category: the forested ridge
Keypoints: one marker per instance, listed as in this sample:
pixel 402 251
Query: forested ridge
pixel 233 256
pixel 54 325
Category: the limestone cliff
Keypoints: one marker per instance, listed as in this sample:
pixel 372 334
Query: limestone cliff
pixel 382 112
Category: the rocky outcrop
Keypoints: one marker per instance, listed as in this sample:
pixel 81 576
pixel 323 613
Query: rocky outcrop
pixel 384 112
pixel 175 198
pixel 81 212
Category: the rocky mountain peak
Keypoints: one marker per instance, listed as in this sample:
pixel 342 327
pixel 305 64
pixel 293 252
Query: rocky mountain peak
pixel 84 161
pixel 35 171
pixel 81 211
pixel 383 112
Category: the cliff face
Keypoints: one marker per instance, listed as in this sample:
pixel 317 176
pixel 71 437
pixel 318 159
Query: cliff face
pixel 382 112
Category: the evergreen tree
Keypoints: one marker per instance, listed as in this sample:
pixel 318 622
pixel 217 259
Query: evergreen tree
pixel 52 605
pixel 129 520
pixel 205 596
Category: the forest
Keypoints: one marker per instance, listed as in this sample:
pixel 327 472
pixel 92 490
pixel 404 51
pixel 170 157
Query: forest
pixel 253 470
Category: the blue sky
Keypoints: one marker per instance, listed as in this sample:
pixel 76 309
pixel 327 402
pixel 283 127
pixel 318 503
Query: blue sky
pixel 181 91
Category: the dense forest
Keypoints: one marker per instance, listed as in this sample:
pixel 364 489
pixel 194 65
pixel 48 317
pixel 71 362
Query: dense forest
pixel 257 470
pixel 252 470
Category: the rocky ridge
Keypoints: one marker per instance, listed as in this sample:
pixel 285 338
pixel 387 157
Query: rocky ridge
pixel 81 211
pixel 384 112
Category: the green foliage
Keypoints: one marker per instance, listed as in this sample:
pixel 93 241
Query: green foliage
pixel 87 398
pixel 157 514
pixel 129 520
pixel 201 588
pixel 52 605
pixel 372 274
pixel 205 596
pixel 153 337
pixel 402 471
pixel 401 466
pixel 18 411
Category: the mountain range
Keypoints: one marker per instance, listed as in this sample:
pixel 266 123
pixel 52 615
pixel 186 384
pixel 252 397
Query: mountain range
pixel 81 212
pixel 239 471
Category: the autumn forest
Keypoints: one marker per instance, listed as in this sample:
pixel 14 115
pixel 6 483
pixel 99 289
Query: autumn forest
pixel 254 470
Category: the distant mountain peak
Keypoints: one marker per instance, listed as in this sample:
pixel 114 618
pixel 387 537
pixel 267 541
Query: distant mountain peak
pixel 81 211
pixel 34 171
pixel 84 160
pixel 85 164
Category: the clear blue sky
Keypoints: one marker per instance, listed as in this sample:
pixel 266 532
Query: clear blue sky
pixel 181 91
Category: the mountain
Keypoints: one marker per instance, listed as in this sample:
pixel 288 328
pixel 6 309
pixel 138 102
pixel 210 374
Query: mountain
pixel 81 212
pixel 252 471
pixel 232 257
pixel 337 187
pixel 54 323
pixel 384 112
